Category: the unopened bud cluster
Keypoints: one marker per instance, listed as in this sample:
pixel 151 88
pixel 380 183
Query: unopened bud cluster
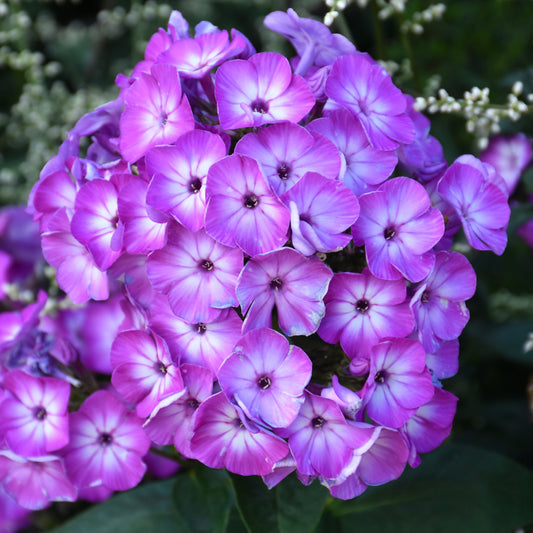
pixel 482 117
pixel 430 14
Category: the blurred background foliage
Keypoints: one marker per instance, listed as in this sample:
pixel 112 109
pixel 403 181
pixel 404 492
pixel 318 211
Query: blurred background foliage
pixel 58 60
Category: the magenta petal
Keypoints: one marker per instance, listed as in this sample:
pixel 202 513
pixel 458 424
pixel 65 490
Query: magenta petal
pixel 242 209
pixel 221 440
pixel 266 377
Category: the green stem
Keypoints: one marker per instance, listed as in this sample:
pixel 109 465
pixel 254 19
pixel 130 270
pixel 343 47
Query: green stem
pixel 406 42
pixel 378 32
pixel 343 26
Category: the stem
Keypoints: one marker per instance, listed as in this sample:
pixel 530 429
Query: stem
pixel 406 42
pixel 343 26
pixel 378 31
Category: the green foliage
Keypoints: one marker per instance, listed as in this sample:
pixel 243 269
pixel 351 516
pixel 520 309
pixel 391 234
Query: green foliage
pixel 457 488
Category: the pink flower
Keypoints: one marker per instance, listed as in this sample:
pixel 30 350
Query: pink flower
pixel 398 382
pixel 155 112
pixel 173 422
pixel 77 274
pixel 205 344
pixel 259 91
pixel 243 210
pixel 321 440
pixel 399 228
pixel 362 309
pixel 179 174
pixel 143 372
pixel 224 438
pixel 286 151
pixel 37 482
pixel 284 278
pixel 366 89
pixel 480 204
pixel 266 377
pixel 106 445
pixel 34 417
pixel 197 274
pixel 314 225
pixel 95 222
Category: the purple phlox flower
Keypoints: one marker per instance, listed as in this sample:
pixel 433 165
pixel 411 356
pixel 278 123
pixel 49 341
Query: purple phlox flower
pixel 348 400
pixel 266 377
pixel 174 422
pixel 28 344
pixel 364 168
pixel 360 364
pixel 35 483
pixel 316 78
pixel 13 517
pixel 155 112
pixel 130 270
pixel 281 470
pixel 102 126
pixel 223 437
pixel 160 467
pixel 312 40
pixel 197 273
pixel 366 89
pixel 284 278
pixel 287 151
pixel 398 227
pixel 314 225
pixel 242 209
pixel 444 362
pixel 196 57
pixel 398 382
pixel 362 309
pixel 92 329
pixel 260 90
pixel 142 232
pixel 20 244
pixel 439 302
pixel 179 175
pixel 96 223
pixel 51 193
pixel 431 424
pixel 509 155
pixel 480 204
pixel 321 440
pixel 178 28
pixel 17 325
pixel 106 444
pixel 423 158
pixel 143 371
pixel 248 50
pixel 383 460
pixel 205 344
pixel 452 223
pixel 34 418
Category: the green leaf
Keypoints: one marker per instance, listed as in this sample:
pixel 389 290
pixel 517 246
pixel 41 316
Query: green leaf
pixel 204 497
pixel 520 214
pixel 456 488
pixel 256 504
pixel 146 508
pixel 506 340
pixel 299 507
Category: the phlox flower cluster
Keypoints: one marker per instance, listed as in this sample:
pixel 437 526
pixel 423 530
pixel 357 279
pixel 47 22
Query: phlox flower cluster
pixel 235 215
